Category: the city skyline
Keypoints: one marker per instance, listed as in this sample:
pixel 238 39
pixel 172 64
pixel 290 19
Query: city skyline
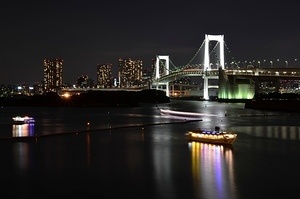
pixel 87 33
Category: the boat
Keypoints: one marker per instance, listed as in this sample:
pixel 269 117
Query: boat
pixel 23 120
pixel 215 136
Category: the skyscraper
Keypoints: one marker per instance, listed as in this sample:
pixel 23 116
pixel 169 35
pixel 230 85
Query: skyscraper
pixel 104 76
pixel 130 73
pixel 53 74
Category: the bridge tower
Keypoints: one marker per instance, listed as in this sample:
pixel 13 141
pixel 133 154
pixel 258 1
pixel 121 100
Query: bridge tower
pixel 207 66
pixel 165 70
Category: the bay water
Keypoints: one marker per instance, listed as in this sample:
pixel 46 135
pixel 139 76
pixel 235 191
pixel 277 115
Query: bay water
pixel 136 152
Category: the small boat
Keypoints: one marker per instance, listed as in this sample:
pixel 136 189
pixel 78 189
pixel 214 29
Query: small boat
pixel 215 136
pixel 23 120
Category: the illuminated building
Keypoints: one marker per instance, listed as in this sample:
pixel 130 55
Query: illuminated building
pixel 53 74
pixel 104 75
pixel 130 73
pixel 147 75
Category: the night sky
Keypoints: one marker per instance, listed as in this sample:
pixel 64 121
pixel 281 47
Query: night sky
pixel 87 33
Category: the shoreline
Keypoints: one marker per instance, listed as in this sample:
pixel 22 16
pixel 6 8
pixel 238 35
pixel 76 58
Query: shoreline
pixel 274 105
pixel 30 138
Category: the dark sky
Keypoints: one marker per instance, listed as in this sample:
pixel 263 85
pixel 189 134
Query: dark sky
pixel 86 33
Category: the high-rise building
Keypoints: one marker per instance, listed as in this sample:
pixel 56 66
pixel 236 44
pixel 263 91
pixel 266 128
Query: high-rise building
pixel 53 74
pixel 130 73
pixel 104 75
pixel 147 75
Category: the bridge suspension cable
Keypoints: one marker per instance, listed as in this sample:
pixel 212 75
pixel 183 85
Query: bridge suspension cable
pixel 197 52
pixel 232 58
pixel 216 54
pixel 164 65
pixel 176 68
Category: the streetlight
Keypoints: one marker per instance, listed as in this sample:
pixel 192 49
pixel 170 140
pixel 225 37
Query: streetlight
pixel 286 64
pixel 271 64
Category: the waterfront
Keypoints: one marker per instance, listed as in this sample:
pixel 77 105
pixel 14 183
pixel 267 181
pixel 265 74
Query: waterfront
pixel 153 159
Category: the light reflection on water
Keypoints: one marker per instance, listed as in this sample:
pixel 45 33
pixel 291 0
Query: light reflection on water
pixel 213 170
pixel 23 152
pixel 275 132
pixel 23 130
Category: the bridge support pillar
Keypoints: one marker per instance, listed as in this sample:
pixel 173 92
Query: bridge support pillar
pixel 257 82
pixel 167 90
pixel 180 90
pixel 205 88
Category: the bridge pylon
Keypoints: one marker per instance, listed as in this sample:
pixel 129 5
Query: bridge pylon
pixel 165 70
pixel 220 39
pixel 207 66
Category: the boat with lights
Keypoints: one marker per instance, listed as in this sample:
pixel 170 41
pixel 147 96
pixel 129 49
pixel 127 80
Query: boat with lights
pixel 215 136
pixel 23 120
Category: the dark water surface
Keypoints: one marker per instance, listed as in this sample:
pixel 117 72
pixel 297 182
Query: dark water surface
pixel 148 155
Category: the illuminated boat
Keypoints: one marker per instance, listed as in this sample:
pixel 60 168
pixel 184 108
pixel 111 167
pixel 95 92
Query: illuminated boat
pixel 212 136
pixel 23 120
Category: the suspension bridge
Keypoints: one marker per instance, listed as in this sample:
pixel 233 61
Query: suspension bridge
pixel 212 67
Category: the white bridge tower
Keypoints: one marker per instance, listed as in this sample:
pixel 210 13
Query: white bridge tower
pixel 207 66
pixel 165 70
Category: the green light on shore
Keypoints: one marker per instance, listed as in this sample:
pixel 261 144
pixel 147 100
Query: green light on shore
pixel 240 91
